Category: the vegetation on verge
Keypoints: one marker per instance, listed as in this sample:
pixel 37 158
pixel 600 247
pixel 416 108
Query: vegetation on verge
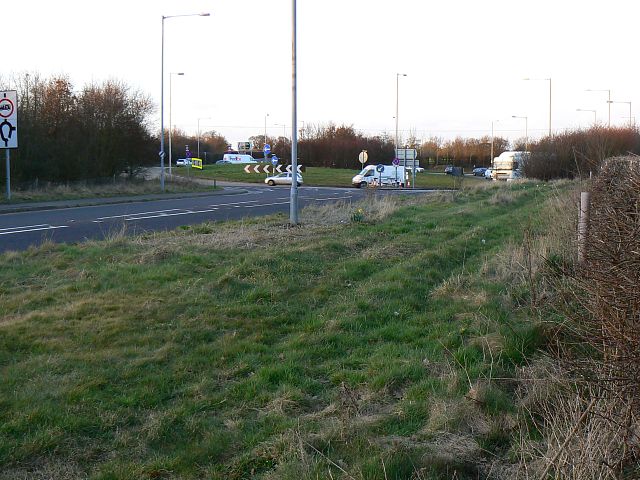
pixel 377 340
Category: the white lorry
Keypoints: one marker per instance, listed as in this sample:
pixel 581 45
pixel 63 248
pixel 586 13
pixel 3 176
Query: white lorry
pixel 509 165
pixel 390 175
pixel 236 158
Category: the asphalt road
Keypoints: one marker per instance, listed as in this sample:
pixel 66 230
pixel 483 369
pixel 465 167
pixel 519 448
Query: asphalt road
pixel 20 230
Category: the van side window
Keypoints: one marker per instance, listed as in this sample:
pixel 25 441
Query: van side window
pixel 369 173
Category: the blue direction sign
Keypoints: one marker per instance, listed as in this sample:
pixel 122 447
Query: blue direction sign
pixel 380 168
pixel 396 161
pixel 274 160
pixel 267 149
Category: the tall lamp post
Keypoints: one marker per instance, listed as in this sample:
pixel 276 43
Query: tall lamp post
pixel 203 118
pixel 549 80
pixel 398 75
pixel 608 100
pixel 492 122
pixel 526 132
pixel 293 198
pixel 586 110
pixel 630 124
pixel 265 129
pixel 171 74
pixel 161 153
pixel 284 129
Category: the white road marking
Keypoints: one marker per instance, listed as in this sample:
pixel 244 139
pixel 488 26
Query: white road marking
pixel 29 228
pixel 133 218
pixel 140 213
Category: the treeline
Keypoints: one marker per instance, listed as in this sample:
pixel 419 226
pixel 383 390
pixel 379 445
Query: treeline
pixel 579 153
pixel 66 134
pixel 338 146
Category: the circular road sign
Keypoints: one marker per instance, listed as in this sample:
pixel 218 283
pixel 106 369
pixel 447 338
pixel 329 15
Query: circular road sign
pixel 274 160
pixel 266 149
pixel 363 157
pixel 6 108
pixel 380 168
pixel 396 161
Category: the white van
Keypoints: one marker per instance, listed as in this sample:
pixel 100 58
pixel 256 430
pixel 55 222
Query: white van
pixel 391 175
pixel 237 158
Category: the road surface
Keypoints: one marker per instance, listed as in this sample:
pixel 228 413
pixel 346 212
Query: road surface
pixel 20 230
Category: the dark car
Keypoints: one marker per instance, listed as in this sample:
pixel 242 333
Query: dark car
pixel 448 169
pixel 479 171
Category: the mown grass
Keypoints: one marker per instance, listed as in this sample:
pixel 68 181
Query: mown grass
pixel 366 349
pixel 118 188
pixel 320 176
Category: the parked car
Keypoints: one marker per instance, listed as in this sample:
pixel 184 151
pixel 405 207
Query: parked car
pixel 182 162
pixel 488 174
pixel 448 169
pixel 479 171
pixel 282 179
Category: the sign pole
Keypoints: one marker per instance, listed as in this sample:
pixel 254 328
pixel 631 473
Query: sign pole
pixel 8 175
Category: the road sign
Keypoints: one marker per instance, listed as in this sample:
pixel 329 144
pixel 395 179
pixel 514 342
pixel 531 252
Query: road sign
pixel 380 168
pixel 188 153
pixel 406 153
pixel 299 168
pixel 274 160
pixel 196 163
pixel 396 161
pixel 8 119
pixel 244 146
pixel 267 149
pixel 363 157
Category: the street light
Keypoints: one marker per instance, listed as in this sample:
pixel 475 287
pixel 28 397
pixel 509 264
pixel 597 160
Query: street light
pixel 608 100
pixel 170 124
pixel 492 122
pixel 161 153
pixel 585 110
pixel 284 129
pixel 265 128
pixel 526 132
pixel 398 75
pixel 549 80
pixel 630 125
pixel 202 118
pixel 293 198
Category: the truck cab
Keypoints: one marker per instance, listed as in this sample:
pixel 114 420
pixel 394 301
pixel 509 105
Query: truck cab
pixel 509 166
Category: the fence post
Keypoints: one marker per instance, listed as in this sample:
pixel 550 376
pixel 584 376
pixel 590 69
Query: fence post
pixel 583 225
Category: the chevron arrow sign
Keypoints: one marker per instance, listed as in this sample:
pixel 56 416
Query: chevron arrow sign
pixel 247 168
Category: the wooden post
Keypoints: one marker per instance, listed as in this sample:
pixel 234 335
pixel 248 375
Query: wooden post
pixel 583 225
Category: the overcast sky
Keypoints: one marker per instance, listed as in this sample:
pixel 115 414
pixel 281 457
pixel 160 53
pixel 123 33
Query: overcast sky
pixel 465 60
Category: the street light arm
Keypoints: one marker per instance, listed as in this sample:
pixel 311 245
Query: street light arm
pixel 187 15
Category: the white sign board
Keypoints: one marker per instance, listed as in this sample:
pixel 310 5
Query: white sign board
pixel 8 119
pixel 406 153
pixel 363 157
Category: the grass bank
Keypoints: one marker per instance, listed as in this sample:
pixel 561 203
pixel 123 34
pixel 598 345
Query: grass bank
pixel 117 188
pixel 374 341
pixel 320 176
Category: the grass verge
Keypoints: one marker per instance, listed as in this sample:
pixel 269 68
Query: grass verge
pixel 323 177
pixel 374 341
pixel 119 188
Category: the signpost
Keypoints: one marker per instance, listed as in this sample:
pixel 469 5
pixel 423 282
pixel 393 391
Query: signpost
pixel 9 128
pixel 409 158
pixel 363 157
pixel 380 169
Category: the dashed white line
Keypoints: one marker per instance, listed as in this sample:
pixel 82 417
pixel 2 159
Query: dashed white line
pixel 29 228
